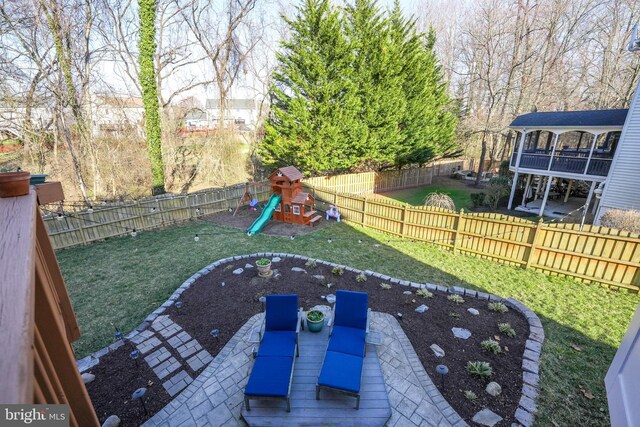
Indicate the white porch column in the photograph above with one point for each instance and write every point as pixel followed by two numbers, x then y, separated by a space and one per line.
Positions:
pixel 524 195
pixel 566 196
pixel 593 145
pixel 553 151
pixel 515 177
pixel 586 205
pixel 546 195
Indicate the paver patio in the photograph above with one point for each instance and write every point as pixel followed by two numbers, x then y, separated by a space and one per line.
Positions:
pixel 215 397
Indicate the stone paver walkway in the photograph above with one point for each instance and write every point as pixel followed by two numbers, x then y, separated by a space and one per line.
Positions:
pixel 154 344
pixel 215 397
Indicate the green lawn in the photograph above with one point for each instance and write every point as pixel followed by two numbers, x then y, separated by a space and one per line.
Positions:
pixel 122 280
pixel 458 190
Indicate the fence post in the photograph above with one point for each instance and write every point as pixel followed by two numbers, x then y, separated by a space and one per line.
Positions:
pixel 85 241
pixel 459 222
pixel 364 211
pixel 534 243
pixel 404 221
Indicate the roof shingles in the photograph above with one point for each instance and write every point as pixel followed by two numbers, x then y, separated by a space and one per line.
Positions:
pixel 571 119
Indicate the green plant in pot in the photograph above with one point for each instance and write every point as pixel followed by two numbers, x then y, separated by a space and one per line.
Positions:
pixel 264 267
pixel 315 320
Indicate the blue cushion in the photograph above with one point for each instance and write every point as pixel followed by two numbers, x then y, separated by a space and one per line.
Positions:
pixel 270 377
pixel 341 371
pixel 282 313
pixel 347 340
pixel 351 309
pixel 278 343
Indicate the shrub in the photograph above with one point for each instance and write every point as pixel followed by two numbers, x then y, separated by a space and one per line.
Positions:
pixel 455 298
pixel 491 345
pixel 627 220
pixel 507 329
pixel 361 278
pixel 503 170
pixel 497 188
pixel 311 263
pixel 424 293
pixel 477 199
pixel 440 200
pixel 338 271
pixel 385 286
pixel 230 267
pixel 480 369
pixel 470 395
pixel 498 307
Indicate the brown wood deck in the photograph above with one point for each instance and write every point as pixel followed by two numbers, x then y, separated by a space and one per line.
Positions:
pixel 333 408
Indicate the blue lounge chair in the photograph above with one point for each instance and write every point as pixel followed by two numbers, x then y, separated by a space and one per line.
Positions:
pixel 273 369
pixel 342 366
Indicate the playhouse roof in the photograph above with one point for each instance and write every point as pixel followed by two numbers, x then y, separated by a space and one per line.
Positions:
pixel 300 198
pixel 289 172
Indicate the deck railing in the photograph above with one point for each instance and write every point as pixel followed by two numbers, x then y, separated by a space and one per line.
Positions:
pixel 37 364
pixel 561 162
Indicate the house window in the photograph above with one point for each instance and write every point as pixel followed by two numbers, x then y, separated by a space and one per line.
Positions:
pixel 287 208
pixel 296 210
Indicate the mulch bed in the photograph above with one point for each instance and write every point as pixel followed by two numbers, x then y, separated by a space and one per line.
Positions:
pixel 209 305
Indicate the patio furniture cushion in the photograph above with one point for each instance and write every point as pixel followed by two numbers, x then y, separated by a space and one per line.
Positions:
pixel 278 343
pixel 351 309
pixel 270 376
pixel 347 340
pixel 281 313
pixel 341 371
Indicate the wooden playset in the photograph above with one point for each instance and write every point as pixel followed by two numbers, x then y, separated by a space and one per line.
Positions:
pixel 296 206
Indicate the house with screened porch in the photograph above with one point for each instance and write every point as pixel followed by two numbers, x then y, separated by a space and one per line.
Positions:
pixel 563 160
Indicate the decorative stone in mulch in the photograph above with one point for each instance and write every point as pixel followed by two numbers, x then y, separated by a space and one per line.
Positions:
pixel 473 311
pixel 318 276
pixel 238 271
pixel 486 417
pixel 461 333
pixel 298 270
pixel 421 309
pixel 437 350
pixel 493 388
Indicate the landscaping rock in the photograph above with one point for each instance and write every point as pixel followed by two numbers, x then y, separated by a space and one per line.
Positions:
pixel 319 277
pixel 112 421
pixel 437 350
pixel 87 377
pixel 331 298
pixel 422 308
pixel 461 333
pixel 407 292
pixel 486 417
pixel 248 266
pixel 298 270
pixel 525 418
pixel 222 284
pixel 238 271
pixel 473 311
pixel 276 259
pixel 493 388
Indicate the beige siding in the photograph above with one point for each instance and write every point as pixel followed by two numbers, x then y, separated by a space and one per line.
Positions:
pixel 622 190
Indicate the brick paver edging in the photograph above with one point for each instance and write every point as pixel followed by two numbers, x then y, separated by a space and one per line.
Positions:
pixel 531 357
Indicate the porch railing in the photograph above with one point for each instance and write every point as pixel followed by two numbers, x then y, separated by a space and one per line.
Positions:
pixel 598 166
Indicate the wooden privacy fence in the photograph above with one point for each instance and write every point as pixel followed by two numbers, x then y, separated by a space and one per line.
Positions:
pixel 595 254
pixel 114 220
pixel 373 182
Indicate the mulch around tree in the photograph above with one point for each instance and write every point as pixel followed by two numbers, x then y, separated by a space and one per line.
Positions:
pixel 208 305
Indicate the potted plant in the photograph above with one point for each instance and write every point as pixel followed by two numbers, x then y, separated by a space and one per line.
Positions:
pixel 13 184
pixel 315 320
pixel 264 267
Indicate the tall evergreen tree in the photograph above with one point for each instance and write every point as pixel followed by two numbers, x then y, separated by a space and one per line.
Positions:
pixel 313 122
pixel 377 73
pixel 147 47
pixel 361 90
